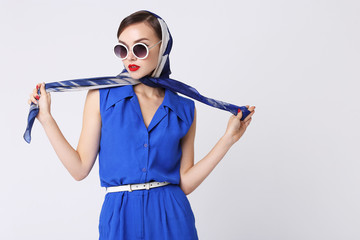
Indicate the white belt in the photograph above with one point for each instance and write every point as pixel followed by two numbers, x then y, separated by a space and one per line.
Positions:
pixel 131 187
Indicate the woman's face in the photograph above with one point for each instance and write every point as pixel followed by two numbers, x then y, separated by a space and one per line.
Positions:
pixel 140 32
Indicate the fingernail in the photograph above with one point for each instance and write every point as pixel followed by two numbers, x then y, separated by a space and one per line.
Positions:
pixel 239 110
pixel 37 97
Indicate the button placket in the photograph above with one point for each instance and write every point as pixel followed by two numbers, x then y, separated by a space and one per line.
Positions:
pixel 145 146
pixel 147 157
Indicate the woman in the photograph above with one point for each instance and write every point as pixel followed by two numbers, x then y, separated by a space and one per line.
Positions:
pixel 145 140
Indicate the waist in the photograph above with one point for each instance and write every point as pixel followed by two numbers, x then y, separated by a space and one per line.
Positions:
pixel 136 186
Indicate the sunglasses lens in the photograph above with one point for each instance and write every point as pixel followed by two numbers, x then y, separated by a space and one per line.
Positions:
pixel 120 51
pixel 140 51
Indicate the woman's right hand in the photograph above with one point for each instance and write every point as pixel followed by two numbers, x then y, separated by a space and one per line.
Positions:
pixel 44 101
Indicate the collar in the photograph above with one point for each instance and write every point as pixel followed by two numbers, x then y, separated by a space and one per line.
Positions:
pixel 171 99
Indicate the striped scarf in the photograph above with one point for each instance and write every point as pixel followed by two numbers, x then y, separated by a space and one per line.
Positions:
pixel 159 78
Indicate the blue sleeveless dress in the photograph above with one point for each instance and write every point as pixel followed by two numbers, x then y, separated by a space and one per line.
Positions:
pixel 131 153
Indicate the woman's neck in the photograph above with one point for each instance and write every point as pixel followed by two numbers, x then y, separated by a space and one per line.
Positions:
pixel 150 92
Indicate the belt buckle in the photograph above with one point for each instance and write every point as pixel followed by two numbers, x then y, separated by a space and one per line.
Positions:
pixel 147 185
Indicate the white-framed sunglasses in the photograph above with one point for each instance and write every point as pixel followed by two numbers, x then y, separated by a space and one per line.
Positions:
pixel 140 50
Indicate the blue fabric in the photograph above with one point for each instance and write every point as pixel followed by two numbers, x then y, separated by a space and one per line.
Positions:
pixel 159 78
pixel 162 213
pixel 124 79
pixel 131 153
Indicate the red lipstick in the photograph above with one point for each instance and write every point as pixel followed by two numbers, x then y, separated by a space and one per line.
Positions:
pixel 133 67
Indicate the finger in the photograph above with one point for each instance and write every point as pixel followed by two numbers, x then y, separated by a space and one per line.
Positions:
pixel 239 115
pixel 42 88
pixel 32 99
pixel 248 122
pixel 249 116
pixel 35 95
pixel 247 106
pixel 37 87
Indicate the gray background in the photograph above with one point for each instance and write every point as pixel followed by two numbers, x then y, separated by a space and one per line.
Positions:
pixel 293 175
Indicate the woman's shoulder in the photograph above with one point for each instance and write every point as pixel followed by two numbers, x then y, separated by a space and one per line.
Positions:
pixel 185 103
pixel 185 108
pixel 93 94
pixel 184 100
pixel 110 95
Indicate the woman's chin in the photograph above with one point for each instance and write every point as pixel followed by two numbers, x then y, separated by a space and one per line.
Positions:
pixel 136 76
pixel 140 74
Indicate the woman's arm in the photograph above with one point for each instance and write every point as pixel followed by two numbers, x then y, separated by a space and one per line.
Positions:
pixel 191 176
pixel 89 141
pixel 78 162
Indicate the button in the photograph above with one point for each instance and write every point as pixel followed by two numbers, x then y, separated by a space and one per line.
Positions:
pixel 144 169
pixel 145 145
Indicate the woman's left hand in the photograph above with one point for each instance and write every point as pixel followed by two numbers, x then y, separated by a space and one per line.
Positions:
pixel 236 128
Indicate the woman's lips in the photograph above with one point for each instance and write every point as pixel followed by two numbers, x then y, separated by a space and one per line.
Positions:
pixel 133 67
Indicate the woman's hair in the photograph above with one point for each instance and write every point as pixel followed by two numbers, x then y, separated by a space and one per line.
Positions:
pixel 141 16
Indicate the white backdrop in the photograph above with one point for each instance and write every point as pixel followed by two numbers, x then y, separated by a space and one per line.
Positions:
pixel 293 175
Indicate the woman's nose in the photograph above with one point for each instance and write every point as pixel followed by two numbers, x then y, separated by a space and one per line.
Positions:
pixel 131 56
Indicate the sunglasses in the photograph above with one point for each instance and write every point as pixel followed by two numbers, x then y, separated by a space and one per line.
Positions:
pixel 140 50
